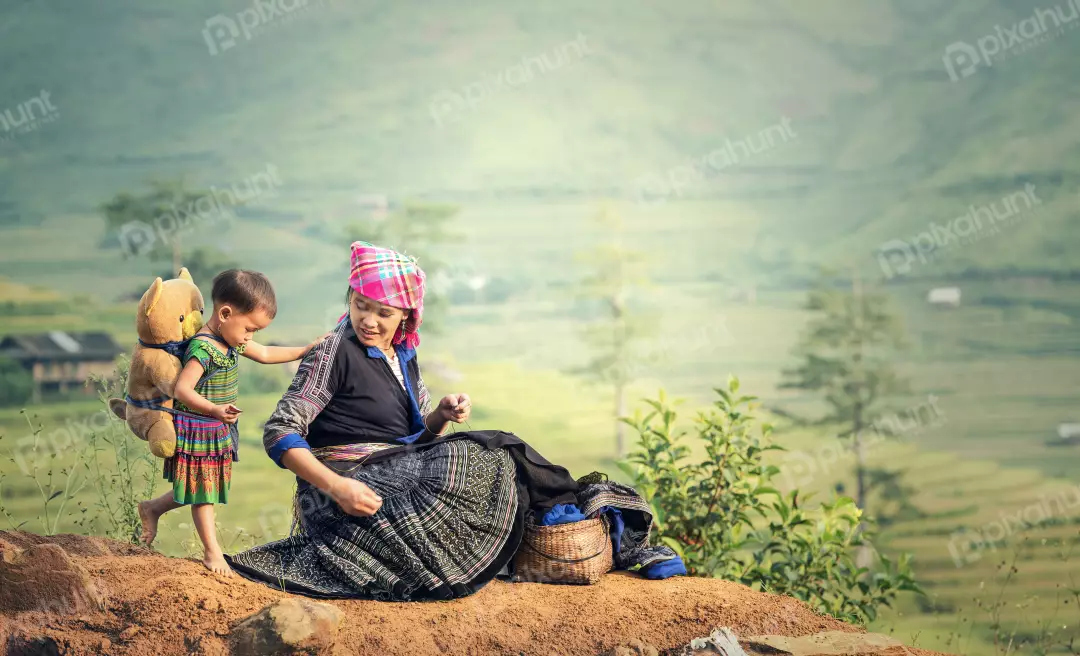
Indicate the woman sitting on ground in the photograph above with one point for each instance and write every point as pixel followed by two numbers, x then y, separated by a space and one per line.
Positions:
pixel 388 508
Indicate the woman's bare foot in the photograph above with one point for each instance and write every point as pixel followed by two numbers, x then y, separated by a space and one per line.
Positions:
pixel 215 562
pixel 149 518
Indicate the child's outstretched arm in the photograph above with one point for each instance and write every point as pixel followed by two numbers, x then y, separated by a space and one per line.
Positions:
pixel 279 354
pixel 186 394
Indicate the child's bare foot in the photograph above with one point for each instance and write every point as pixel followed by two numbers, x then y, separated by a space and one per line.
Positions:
pixel 215 562
pixel 149 518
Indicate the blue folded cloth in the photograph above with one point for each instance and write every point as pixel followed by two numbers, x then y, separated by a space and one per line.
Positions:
pixel 664 569
pixel 562 513
pixel 616 524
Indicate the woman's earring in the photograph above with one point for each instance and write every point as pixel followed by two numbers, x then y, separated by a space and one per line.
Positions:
pixel 402 330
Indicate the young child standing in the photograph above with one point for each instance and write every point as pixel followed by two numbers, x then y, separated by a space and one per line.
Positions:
pixel 207 439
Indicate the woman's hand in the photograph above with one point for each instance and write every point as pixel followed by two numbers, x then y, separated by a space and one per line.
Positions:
pixel 226 413
pixel 455 408
pixel 354 497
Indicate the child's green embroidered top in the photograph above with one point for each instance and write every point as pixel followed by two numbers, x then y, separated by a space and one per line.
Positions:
pixel 220 381
pixel 201 470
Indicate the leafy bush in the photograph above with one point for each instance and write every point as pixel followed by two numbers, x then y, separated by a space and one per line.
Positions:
pixel 16 383
pixel 723 515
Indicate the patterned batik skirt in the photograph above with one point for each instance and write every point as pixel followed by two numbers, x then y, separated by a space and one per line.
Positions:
pixel 201 469
pixel 449 522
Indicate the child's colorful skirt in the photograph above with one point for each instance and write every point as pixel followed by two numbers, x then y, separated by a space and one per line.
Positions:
pixel 201 470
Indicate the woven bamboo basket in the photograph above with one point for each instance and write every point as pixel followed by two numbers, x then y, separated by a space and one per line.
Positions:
pixel 578 553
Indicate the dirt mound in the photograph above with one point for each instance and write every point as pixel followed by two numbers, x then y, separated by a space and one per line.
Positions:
pixel 160 605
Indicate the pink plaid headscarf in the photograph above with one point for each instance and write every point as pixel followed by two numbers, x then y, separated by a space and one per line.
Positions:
pixel 393 279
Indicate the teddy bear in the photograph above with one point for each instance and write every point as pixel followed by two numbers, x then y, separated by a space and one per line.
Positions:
pixel 170 313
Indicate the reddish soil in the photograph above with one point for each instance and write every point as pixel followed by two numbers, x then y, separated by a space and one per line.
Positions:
pixel 160 605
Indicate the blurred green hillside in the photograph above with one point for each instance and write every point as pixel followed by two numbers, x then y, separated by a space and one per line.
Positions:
pixel 632 101
pixel 344 100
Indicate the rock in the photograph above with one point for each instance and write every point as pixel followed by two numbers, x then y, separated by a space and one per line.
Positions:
pixel 129 633
pixel 105 644
pixel 288 626
pixel 44 578
pixel 25 646
pixel 827 643
pixel 633 648
pixel 720 641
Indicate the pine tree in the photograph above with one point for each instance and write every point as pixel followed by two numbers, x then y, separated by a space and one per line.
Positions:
pixel 846 356
pixel 612 273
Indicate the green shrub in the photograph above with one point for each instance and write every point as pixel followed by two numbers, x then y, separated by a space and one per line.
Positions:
pixel 723 515
pixel 16 383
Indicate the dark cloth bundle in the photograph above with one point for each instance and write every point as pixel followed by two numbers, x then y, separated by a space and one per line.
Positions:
pixel 453 516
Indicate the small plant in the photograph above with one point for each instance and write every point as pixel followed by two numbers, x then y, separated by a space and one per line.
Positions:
pixel 1044 639
pixel 129 475
pixel 725 518
pixel 105 459
pixel 57 484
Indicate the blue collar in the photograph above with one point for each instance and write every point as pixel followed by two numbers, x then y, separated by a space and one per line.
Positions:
pixel 404 353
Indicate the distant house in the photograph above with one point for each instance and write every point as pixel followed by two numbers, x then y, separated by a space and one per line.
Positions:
pixel 59 361
pixel 944 297
pixel 1068 435
pixel 1069 432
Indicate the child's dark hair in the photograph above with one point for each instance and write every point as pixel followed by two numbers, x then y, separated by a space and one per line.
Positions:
pixel 245 291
